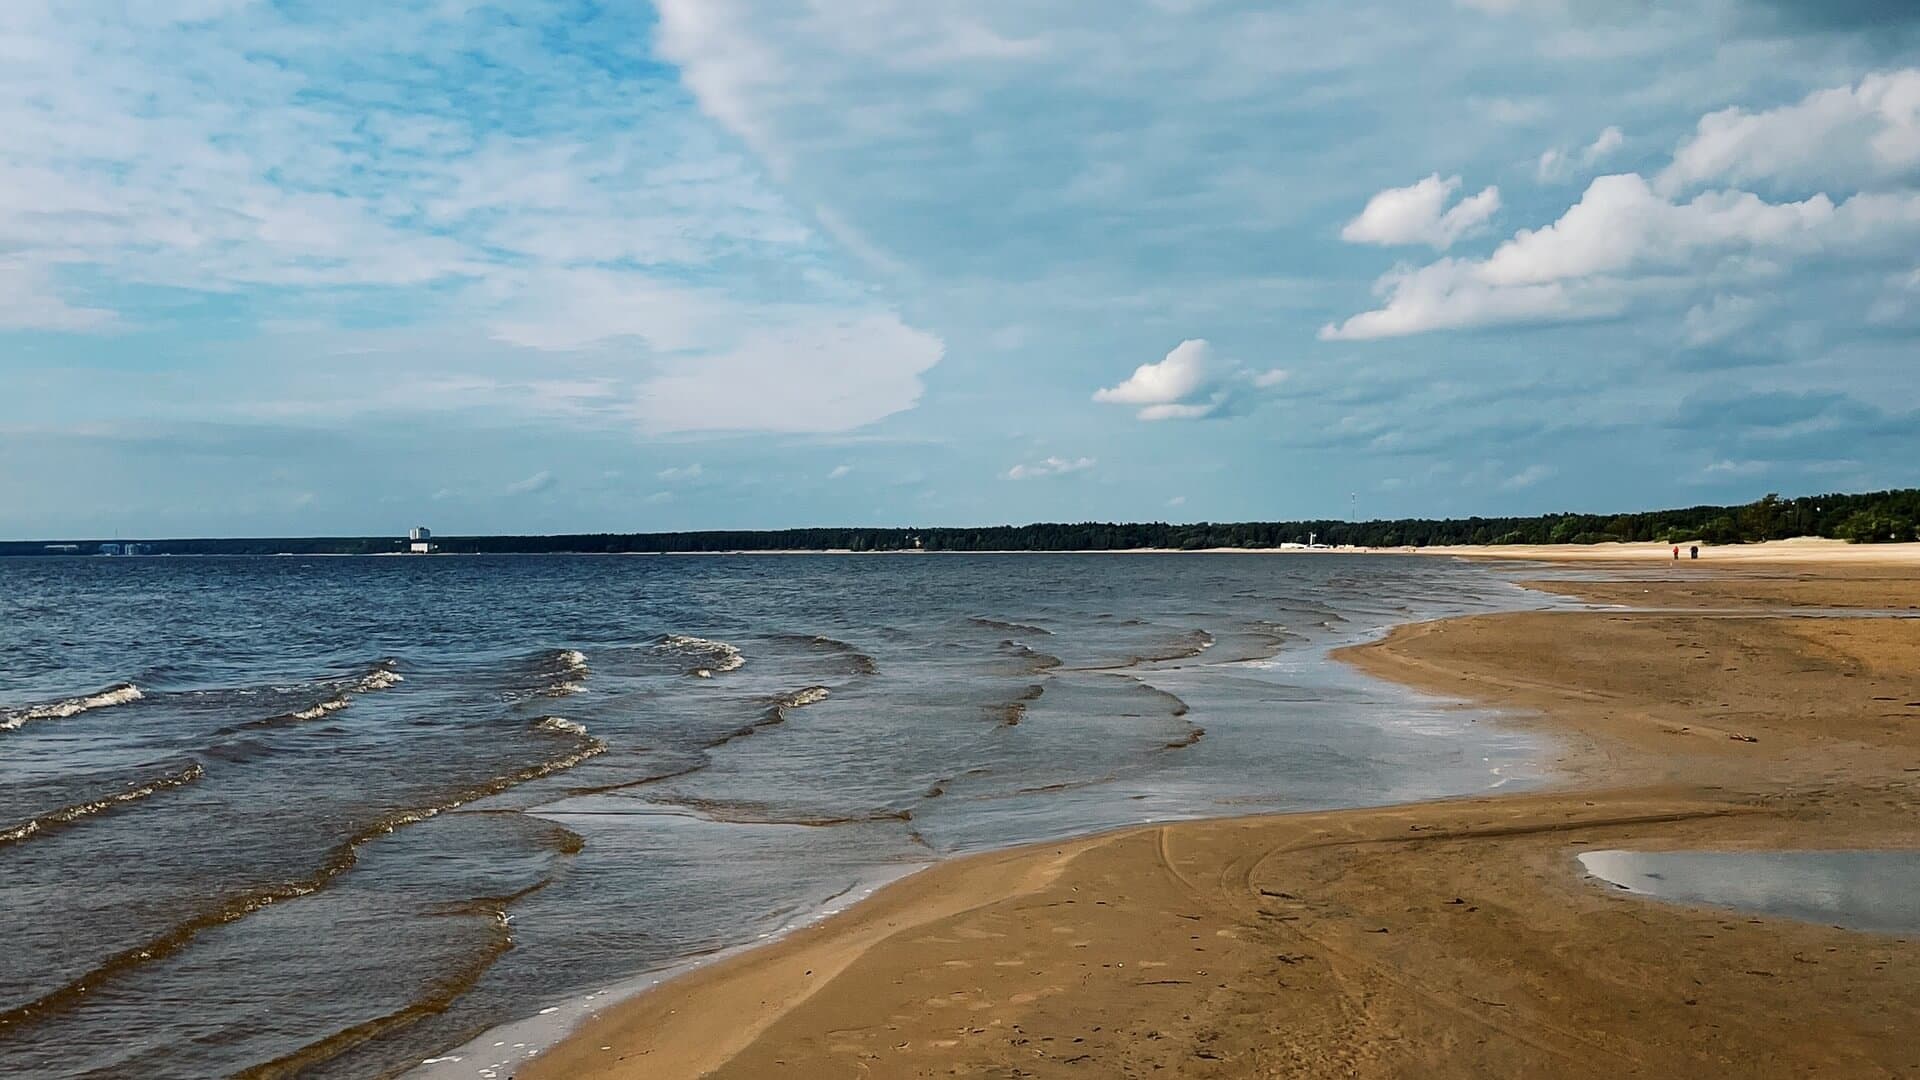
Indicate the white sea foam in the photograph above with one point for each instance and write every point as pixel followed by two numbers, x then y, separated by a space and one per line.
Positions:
pixel 560 724
pixel 805 696
pixel 59 710
pixel 331 705
pixel 573 671
pixel 87 809
pixel 379 679
pixel 723 657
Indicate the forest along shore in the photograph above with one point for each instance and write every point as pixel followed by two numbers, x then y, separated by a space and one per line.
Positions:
pixel 1456 938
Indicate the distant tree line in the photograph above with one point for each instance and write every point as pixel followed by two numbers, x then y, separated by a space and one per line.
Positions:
pixel 1875 517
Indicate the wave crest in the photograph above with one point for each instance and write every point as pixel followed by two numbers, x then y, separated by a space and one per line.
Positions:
pixel 117 694
pixel 720 657
pixel 67 815
pixel 560 725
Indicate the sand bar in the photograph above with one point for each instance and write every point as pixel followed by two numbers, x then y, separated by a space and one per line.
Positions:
pixel 1456 938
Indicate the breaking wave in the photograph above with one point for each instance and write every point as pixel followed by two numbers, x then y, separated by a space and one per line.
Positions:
pixel 67 815
pixel 775 713
pixel 710 657
pixel 331 705
pixel 118 694
pixel 560 725
pixel 806 695
pixel 381 676
pixel 379 679
pixel 567 669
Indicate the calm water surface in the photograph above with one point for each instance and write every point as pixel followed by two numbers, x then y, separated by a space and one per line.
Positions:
pixel 1858 890
pixel 334 816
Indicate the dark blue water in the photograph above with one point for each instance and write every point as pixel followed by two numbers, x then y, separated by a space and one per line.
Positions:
pixel 334 816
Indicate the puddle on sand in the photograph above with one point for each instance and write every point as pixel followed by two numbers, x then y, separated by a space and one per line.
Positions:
pixel 1859 890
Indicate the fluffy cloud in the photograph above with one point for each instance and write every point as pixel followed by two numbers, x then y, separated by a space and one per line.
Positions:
pixel 1190 383
pixel 1629 237
pixel 1186 371
pixel 1847 135
pixel 1454 294
pixel 1621 232
pixel 1418 214
pixel 1558 164
pixel 1052 466
pixel 1620 223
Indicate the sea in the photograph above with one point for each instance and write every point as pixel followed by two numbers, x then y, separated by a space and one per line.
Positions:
pixel 340 817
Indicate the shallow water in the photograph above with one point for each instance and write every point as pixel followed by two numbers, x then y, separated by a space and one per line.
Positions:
pixel 343 814
pixel 1857 890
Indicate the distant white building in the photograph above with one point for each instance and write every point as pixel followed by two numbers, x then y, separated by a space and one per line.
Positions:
pixel 420 540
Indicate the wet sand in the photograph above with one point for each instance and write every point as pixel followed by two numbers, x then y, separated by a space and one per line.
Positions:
pixel 1444 939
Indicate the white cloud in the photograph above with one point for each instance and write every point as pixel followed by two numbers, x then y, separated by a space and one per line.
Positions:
pixel 1717 320
pixel 1177 500
pixel 816 373
pixel 1612 243
pixel 1190 383
pixel 677 473
pixel 1418 214
pixel 539 481
pixel 1053 466
pixel 840 472
pixel 1899 299
pixel 736 59
pixel 1620 222
pixel 1526 477
pixel 1453 294
pixel 1848 135
pixel 1727 468
pixel 252 165
pixel 28 302
pixel 1557 164
pixel 1186 371
pixel 1629 237
pixel 720 364
pixel 1604 145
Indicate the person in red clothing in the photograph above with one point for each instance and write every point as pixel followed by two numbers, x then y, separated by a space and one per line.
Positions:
pixel 1676 553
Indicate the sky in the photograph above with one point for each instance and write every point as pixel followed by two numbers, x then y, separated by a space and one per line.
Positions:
pixel 317 267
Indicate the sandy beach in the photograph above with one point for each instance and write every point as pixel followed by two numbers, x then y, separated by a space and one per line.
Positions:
pixel 1457 938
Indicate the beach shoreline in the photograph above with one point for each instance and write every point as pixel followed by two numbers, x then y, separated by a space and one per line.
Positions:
pixel 969 965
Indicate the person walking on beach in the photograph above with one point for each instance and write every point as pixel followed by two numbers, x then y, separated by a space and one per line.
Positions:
pixel 1676 553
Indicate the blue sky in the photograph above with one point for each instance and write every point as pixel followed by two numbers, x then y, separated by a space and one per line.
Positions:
pixel 555 265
